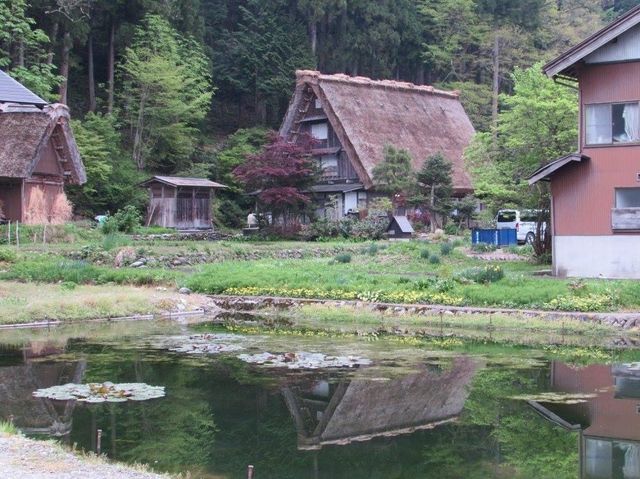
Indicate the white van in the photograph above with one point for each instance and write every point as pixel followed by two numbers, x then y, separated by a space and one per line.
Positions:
pixel 524 222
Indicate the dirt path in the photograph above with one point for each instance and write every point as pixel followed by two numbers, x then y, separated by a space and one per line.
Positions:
pixel 22 458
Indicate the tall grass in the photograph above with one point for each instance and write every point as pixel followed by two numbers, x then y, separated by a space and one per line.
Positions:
pixel 7 428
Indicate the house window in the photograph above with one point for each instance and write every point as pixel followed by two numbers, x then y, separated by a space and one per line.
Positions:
pixel 612 123
pixel 627 197
pixel 320 131
pixel 318 104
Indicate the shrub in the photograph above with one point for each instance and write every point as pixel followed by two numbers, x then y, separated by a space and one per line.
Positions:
pixel 343 258
pixel 446 249
pixel 371 250
pixel 7 256
pixel 483 275
pixel 483 248
pixel 113 240
pixel 321 229
pixel 434 259
pixel 125 220
pixel 369 228
pixel 424 254
pixel 451 229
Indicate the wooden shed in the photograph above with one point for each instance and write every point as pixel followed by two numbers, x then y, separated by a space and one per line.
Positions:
pixel 38 156
pixel 182 203
pixel 399 228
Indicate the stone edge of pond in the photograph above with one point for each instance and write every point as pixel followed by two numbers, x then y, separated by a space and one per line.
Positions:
pixel 30 458
pixel 627 320
pixel 173 316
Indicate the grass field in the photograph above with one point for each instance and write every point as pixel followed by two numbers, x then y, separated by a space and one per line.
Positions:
pixel 400 272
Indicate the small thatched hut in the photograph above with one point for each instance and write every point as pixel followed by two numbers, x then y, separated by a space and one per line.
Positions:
pixel 38 156
pixel 354 118
pixel 182 203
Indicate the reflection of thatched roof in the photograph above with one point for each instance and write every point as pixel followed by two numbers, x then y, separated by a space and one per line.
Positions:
pixel 367 115
pixel 26 132
pixel 30 414
pixel 362 409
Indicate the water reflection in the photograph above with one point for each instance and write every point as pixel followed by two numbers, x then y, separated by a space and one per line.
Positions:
pixel 362 409
pixel 609 423
pixel 436 415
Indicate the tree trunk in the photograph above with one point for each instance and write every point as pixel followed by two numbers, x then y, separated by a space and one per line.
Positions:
pixel 52 41
pixel 138 157
pixel 64 67
pixel 313 33
pixel 496 85
pixel 432 202
pixel 110 67
pixel 92 80
pixel 21 53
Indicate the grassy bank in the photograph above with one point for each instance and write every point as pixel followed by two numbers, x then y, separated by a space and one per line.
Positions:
pixel 23 303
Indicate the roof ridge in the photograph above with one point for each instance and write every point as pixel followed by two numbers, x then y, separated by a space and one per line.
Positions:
pixel 314 75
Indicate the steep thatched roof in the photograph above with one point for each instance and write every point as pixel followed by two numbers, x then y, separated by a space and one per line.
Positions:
pixel 367 115
pixel 362 409
pixel 25 132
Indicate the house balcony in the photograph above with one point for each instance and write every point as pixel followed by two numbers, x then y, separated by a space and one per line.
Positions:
pixel 625 219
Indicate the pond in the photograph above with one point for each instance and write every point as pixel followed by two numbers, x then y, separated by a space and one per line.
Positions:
pixel 402 409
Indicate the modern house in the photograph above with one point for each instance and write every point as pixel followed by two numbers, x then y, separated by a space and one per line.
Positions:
pixel 38 156
pixel 353 118
pixel 182 203
pixel 596 191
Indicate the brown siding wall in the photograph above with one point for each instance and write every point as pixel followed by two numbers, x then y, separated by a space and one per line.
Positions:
pixel 583 195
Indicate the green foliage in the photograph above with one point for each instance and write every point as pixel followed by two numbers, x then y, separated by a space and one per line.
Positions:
pixel 166 92
pixel 7 255
pixel 112 180
pixel 425 254
pixel 7 428
pixel 343 258
pixel 18 33
pixel 446 249
pixel 434 259
pixel 234 152
pixel 435 186
pixel 483 248
pixel 125 220
pixel 394 174
pixel 482 275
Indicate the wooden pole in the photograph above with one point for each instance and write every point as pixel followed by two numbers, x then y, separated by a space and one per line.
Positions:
pixel 250 472
pixel 17 235
pixel 44 234
pixel 98 441
pixel 9 232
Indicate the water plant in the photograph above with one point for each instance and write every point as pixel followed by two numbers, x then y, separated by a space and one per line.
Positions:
pixel 101 392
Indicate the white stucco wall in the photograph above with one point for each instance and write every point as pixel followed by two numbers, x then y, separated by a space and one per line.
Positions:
pixel 613 256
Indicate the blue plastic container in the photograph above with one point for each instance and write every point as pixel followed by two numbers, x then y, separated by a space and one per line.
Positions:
pixel 498 237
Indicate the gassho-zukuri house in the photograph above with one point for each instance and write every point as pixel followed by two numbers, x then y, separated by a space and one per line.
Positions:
pixel 595 192
pixel 353 118
pixel 38 156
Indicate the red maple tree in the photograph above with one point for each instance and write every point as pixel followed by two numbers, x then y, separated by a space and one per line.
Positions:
pixel 279 175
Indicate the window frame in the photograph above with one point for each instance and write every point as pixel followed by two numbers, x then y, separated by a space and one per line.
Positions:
pixel 610 104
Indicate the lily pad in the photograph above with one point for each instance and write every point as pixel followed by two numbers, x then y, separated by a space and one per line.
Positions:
pixel 210 343
pixel 94 393
pixel 556 398
pixel 304 360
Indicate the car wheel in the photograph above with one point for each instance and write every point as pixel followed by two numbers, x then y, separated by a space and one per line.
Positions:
pixel 530 238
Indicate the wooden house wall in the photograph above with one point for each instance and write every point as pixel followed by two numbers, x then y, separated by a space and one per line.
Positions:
pixel 11 198
pixel 584 194
pixel 49 164
pixel 181 208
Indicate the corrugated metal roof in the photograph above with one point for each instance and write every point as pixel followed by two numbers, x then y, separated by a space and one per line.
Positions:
pixel 544 173
pixel 181 181
pixel 12 91
pixel 403 224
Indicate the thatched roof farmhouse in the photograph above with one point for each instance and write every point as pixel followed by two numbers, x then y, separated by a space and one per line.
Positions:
pixel 354 118
pixel 38 156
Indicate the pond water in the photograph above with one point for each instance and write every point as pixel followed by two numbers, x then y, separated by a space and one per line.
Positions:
pixel 415 411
